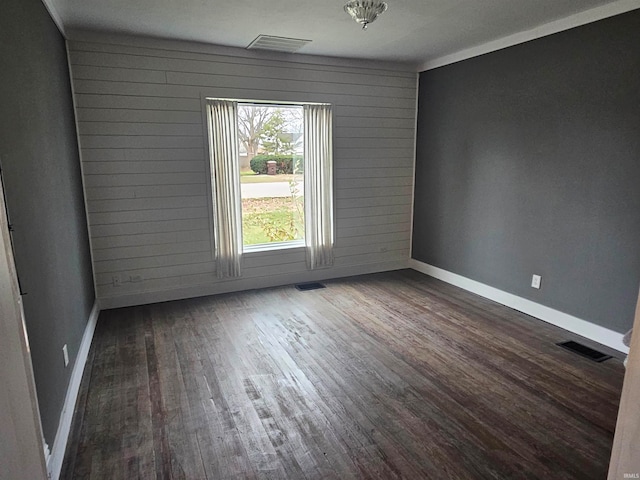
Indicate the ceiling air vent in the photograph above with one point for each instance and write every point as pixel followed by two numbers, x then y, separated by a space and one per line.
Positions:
pixel 278 44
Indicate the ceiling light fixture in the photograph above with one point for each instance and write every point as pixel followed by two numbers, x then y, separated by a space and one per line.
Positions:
pixel 365 12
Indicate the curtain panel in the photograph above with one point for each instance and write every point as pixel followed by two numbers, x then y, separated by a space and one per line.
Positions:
pixel 225 171
pixel 318 185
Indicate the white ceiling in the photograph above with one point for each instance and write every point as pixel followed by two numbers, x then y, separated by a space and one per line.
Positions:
pixel 416 31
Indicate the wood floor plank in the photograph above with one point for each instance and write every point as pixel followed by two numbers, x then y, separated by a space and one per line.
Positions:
pixel 436 452
pixel 384 376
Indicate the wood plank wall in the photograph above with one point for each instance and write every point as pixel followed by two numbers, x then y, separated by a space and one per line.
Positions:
pixel 143 142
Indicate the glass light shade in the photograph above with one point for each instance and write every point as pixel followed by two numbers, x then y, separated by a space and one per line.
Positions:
pixel 365 12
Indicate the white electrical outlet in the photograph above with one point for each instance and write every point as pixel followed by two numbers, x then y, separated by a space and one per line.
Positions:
pixel 116 280
pixel 65 353
pixel 535 281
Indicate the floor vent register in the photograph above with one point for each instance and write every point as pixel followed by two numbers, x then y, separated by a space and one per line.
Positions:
pixel 584 351
pixel 303 287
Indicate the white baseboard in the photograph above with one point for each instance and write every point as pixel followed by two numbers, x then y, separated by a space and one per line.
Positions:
pixel 47 452
pixel 54 462
pixel 573 324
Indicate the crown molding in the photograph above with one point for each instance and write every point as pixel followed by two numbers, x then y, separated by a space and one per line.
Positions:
pixel 55 16
pixel 582 18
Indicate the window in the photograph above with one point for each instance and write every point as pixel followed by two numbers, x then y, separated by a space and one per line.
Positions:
pixel 280 197
pixel 271 156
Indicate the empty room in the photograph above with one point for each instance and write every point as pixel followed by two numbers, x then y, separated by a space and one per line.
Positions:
pixel 296 239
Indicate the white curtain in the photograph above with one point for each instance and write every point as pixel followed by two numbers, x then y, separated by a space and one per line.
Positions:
pixel 318 185
pixel 225 170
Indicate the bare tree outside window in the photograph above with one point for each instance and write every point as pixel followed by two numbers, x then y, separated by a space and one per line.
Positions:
pixel 251 123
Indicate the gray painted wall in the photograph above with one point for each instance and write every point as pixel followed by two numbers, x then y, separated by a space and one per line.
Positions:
pixel 42 178
pixel 528 161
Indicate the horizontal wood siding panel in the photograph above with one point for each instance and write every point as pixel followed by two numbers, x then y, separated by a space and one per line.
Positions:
pixel 384 247
pixel 377 122
pixel 384 238
pixel 153 191
pixel 374 229
pixel 140 154
pixel 115 167
pixel 149 295
pixel 352 172
pixel 343 223
pixel 370 132
pixel 158 226
pixel 343 193
pixel 151 239
pixel 389 200
pixel 141 263
pixel 366 154
pixel 264 259
pixel 352 212
pixel 110 218
pixel 136 129
pixel 144 179
pixel 139 204
pixel 157 284
pixel 378 144
pixel 140 141
pixel 163 116
pixel 158 273
pixel 85 72
pixel 371 239
pixel 377 111
pixel 150 59
pixel 257 92
pixel 285 83
pixel 146 174
pixel 368 258
pixel 143 102
pixel 348 183
pixel 207 53
pixel 118 253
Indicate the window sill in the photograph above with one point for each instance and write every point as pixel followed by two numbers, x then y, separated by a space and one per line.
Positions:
pixel 268 247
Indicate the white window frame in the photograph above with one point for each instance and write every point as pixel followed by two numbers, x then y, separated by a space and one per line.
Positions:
pixel 319 255
pixel 288 244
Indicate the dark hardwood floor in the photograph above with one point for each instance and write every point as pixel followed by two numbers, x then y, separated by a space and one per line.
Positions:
pixel 384 376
